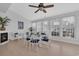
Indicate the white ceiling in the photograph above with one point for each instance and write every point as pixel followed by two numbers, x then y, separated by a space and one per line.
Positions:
pixel 4 7
pixel 28 12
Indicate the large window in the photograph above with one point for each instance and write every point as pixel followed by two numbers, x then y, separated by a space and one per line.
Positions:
pixel 20 25
pixel 55 29
pixel 68 26
pixel 34 26
pixel 39 27
pixel 45 27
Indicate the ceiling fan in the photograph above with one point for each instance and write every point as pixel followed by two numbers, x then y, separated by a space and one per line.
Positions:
pixel 41 7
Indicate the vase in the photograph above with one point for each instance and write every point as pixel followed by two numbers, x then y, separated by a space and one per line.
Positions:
pixel 2 28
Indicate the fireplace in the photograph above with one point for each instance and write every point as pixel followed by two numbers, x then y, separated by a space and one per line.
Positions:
pixel 3 37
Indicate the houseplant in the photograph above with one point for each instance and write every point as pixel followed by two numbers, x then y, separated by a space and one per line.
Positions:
pixel 3 22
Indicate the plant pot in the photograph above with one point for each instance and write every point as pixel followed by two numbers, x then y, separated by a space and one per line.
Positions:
pixel 0 25
pixel 2 29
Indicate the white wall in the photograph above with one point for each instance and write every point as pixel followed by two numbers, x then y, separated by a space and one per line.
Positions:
pixel 13 24
pixel 2 14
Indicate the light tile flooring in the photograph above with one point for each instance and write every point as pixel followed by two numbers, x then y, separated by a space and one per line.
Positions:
pixel 18 48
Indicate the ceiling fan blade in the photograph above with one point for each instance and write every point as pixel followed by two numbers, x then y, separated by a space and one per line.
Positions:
pixel 48 6
pixel 44 11
pixel 33 6
pixel 37 10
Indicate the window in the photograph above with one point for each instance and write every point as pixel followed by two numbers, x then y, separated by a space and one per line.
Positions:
pixel 39 27
pixel 68 26
pixel 34 26
pixel 20 25
pixel 45 27
pixel 55 31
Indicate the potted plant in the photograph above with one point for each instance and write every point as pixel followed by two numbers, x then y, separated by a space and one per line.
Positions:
pixel 3 22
